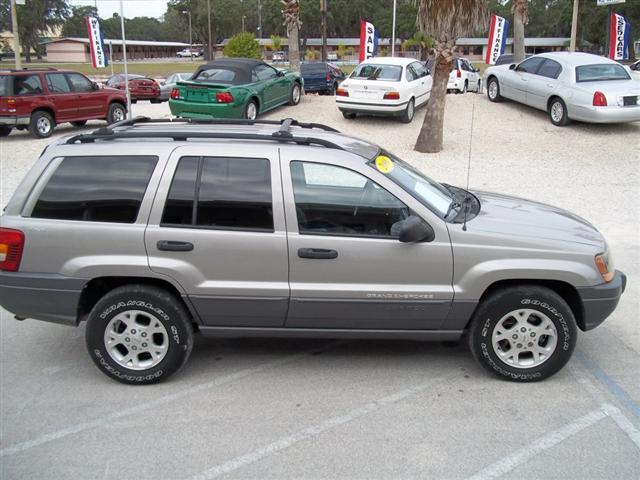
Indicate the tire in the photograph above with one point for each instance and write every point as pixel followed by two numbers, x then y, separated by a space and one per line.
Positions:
pixel 79 123
pixel 41 124
pixel 479 87
pixel 147 320
pixel 558 112
pixel 465 88
pixel 334 89
pixel 116 113
pixel 493 90
pixel 250 110
pixel 295 94
pixel 409 112
pixel 5 131
pixel 496 333
pixel 349 116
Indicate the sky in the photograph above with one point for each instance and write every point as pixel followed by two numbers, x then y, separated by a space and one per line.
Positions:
pixel 132 8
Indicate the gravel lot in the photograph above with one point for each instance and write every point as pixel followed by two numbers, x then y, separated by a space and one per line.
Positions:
pixel 355 409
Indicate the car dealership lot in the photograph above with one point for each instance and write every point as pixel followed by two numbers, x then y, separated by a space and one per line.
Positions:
pixel 257 408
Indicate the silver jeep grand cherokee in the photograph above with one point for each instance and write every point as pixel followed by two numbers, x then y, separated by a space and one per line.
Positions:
pixel 150 231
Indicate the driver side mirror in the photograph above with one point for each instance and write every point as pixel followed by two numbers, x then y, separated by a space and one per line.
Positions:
pixel 413 229
pixel 95 86
pixel 512 66
pixel 280 73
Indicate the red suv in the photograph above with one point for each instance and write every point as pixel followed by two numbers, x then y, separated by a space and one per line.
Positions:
pixel 38 99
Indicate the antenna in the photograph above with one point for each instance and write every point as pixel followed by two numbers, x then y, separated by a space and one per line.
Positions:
pixel 466 200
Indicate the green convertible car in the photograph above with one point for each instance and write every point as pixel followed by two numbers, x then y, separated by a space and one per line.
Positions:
pixel 234 88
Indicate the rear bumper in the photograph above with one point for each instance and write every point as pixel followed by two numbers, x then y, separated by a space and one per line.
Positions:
pixel 371 108
pixel 456 84
pixel 13 121
pixel 145 96
pixel 613 114
pixel 317 88
pixel 52 298
pixel 600 301
pixel 180 108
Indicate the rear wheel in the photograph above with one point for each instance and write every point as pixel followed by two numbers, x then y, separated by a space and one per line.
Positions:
pixel 558 112
pixel 4 131
pixel 116 113
pixel 493 90
pixel 139 334
pixel 407 115
pixel 465 87
pixel 79 123
pixel 296 92
pixel 524 333
pixel 41 124
pixel 251 110
pixel 479 87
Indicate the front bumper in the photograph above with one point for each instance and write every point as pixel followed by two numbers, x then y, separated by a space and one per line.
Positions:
pixel 600 301
pixel 14 121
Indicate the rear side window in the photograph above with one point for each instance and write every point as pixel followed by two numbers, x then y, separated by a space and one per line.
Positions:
pixel 550 69
pixel 96 189
pixel 221 193
pixel 57 83
pixel 27 85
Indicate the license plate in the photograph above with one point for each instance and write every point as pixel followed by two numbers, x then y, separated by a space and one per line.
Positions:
pixel 198 95
pixel 366 94
pixel 630 101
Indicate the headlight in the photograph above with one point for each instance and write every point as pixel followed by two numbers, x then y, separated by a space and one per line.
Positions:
pixel 604 267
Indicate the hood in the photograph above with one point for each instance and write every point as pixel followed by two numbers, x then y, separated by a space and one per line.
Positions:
pixel 519 217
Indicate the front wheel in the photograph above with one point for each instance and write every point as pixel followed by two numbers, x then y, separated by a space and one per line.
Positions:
pixel 493 90
pixel 296 92
pixel 407 115
pixel 139 334
pixel 558 113
pixel 523 334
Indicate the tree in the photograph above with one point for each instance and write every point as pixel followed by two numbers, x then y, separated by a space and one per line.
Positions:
pixel 446 21
pixel 276 42
pixel 35 20
pixel 291 14
pixel 342 51
pixel 243 45
pixel 520 11
pixel 76 24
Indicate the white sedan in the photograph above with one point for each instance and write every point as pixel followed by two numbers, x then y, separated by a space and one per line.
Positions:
pixel 391 86
pixel 569 86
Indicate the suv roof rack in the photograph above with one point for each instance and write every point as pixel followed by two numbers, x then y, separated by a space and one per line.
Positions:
pixel 283 134
pixel 32 69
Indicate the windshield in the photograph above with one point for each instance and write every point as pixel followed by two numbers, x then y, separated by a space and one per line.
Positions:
pixel 428 192
pixel 601 72
pixel 369 71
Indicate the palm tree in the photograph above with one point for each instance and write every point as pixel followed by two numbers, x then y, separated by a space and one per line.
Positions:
pixel 445 21
pixel 520 11
pixel 276 42
pixel 291 14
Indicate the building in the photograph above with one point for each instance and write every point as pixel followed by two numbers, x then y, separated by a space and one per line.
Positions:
pixel 476 48
pixel 76 50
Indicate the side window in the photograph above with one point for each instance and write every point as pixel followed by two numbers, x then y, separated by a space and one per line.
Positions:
pixel 220 192
pixel 96 189
pixel 114 80
pixel 530 65
pixel 265 72
pixel 420 69
pixel 57 83
pixel 332 200
pixel 27 85
pixel 550 69
pixel 410 73
pixel 79 83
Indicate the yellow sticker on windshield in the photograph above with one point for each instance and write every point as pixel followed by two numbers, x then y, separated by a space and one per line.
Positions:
pixel 384 164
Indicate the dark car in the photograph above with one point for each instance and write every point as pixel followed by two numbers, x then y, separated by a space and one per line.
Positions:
pixel 140 87
pixel 321 77
pixel 508 59
pixel 38 99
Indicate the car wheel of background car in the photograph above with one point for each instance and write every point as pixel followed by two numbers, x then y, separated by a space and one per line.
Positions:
pixel 493 90
pixel 558 112
pixel 479 87
pixel 524 333
pixel 349 116
pixel 251 110
pixel 139 334
pixel 408 113
pixel 116 113
pixel 155 100
pixel 335 88
pixel 294 96
pixel 4 131
pixel 465 87
pixel 41 124
pixel 79 123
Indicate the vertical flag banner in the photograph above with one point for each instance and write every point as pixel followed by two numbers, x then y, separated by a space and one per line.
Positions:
pixel 497 39
pixel 620 37
pixel 96 43
pixel 368 40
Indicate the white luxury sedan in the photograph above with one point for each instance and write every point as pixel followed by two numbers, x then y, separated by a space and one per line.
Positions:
pixel 569 86
pixel 385 86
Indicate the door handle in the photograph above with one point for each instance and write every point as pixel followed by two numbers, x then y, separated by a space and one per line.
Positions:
pixel 174 246
pixel 550 85
pixel 319 253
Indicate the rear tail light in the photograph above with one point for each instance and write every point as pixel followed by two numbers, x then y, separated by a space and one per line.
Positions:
pixel 11 104
pixel 392 96
pixel 11 246
pixel 599 100
pixel 328 77
pixel 224 97
pixel 342 92
pixel 175 94
pixel 458 73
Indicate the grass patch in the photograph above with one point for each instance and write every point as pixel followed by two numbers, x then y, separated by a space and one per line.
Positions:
pixel 142 68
